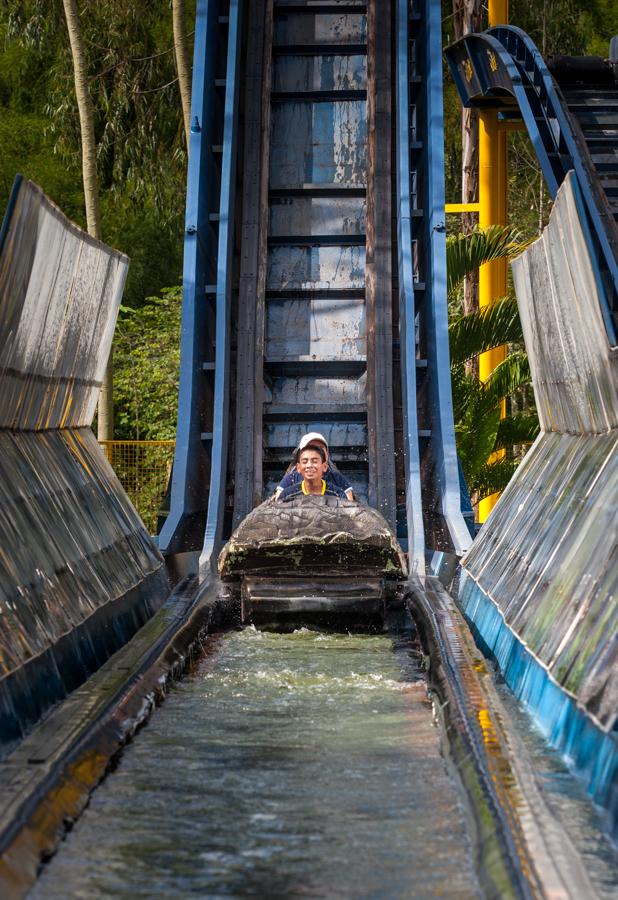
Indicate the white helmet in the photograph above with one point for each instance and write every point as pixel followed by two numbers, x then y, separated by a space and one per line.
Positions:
pixel 310 438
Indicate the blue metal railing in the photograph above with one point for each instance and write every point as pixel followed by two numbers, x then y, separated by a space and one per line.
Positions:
pixel 201 439
pixel 442 447
pixel 422 279
pixel 218 470
pixel 407 296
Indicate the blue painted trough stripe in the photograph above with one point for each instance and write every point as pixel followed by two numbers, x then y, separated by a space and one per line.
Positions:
pixel 591 752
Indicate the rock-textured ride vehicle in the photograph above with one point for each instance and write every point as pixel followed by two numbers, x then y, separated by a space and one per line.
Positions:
pixel 314 560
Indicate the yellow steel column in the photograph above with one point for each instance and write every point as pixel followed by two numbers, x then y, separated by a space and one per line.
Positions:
pixel 492 202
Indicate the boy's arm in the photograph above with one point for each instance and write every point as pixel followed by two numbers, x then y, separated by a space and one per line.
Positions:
pixel 341 482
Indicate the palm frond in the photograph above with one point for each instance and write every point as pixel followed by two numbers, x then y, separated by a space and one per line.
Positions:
pixel 466 252
pixel 492 477
pixel 480 331
pixel 519 429
pixel 509 375
pixel 465 389
pixel 476 438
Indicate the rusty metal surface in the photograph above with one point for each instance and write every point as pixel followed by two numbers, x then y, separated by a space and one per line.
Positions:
pixel 59 296
pixel 547 556
pixel 304 390
pixel 315 347
pixel 340 435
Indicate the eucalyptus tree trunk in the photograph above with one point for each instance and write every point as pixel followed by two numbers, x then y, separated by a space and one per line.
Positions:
pixel 91 191
pixel 466 19
pixel 183 68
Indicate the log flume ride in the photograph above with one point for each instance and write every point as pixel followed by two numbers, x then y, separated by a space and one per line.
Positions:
pixel 314 300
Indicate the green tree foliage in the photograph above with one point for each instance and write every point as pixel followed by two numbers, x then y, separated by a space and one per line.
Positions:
pixel 141 155
pixel 25 145
pixel 479 430
pixel 146 367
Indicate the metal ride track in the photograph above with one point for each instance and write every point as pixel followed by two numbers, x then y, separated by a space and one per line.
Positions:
pixel 314 285
pixel 571 127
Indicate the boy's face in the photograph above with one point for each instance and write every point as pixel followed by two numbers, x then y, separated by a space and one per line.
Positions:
pixel 310 465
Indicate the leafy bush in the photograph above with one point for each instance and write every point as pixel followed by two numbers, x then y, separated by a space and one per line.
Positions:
pixel 146 368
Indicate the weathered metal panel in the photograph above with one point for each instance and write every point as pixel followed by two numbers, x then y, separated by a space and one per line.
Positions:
pixel 59 296
pixel 315 268
pixel 71 540
pixel 317 216
pixel 328 390
pixel 318 143
pixel 315 328
pixel 556 586
pixel 321 28
pixel 320 73
pixel 338 434
pixel 574 374
pixel 547 556
pixel 74 554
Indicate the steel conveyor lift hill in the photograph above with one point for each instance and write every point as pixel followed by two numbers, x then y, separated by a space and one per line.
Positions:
pixel 314 291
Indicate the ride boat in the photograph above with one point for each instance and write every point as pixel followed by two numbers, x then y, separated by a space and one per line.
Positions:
pixel 313 560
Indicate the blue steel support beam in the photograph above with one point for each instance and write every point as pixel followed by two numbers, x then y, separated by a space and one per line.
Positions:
pixel 218 471
pixel 183 529
pixel 407 311
pixel 443 445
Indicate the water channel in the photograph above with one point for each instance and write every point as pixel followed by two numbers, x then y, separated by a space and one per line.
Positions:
pixel 298 765
pixel 285 765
